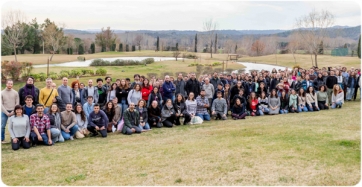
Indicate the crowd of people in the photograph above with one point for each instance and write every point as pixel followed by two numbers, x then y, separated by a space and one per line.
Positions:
pixel 56 114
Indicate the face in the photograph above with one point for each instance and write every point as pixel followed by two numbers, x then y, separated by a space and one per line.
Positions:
pixel 136 79
pixel 9 85
pixel 76 86
pixel 69 107
pixel 322 88
pixel 207 81
pixel 96 109
pixel 310 89
pixel 108 80
pixel 54 86
pixel 138 87
pixel 110 105
pixel 219 87
pixel 169 103
pixel 155 90
pixel 30 81
pixel 79 108
pixel 114 86
pixel 179 98
pixel 115 101
pixel 29 101
pixel 219 95
pixel 123 82
pixel 337 87
pixel 99 83
pixel 19 111
pixel 239 83
pixel 179 76
pixel 191 95
pixel 40 110
pixel 154 104
pixel 238 102
pixel 202 93
pixel 90 100
pixel 252 95
pixel 81 86
pixel 65 81
pixel 90 83
pixel 263 94
pixel 131 106
pixel 193 76
pixel 145 82
pixel 49 83
pixel 54 108
pixel 141 103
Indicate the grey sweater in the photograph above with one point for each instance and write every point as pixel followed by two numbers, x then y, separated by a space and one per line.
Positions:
pixel 81 124
pixel 19 126
pixel 209 90
pixel 219 105
pixel 322 96
pixel 65 92
pixel 134 96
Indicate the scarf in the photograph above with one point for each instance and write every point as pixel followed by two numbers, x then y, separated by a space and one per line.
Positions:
pixel 29 90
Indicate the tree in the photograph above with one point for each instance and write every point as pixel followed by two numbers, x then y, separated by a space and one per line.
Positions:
pixel 14 35
pixel 158 44
pixel 106 38
pixel 196 43
pixel 93 48
pixel 215 51
pixel 70 42
pixel 258 47
pixel 320 50
pixel 176 47
pixel 176 54
pixel 87 45
pixel 138 41
pixel 313 29
pixel 120 47
pixel 77 42
pixel 210 29
pixel 293 44
pixel 359 47
pixel 236 48
pixel 80 49
pixel 53 36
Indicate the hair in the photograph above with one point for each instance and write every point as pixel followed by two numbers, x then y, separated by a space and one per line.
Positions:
pixel 168 101
pixel 182 100
pixel 301 95
pixel 145 103
pixel 126 86
pixel 309 91
pixel 261 95
pixel 9 80
pixel 250 97
pixel 29 97
pixel 136 75
pixel 273 95
pixel 107 110
pixel 237 99
pixel 135 85
pixel 74 83
pixel 89 96
pixel 193 98
pixel 218 92
pixel 143 83
pixel 50 108
pixel 39 105
pixel 19 107
pixel 107 78
pixel 99 79
pixel 324 86
pixel 96 104
pixel 335 90
pixel 111 88
pixel 153 90
pixel 82 114
pixel 30 77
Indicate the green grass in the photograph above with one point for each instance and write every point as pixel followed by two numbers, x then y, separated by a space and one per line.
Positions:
pixel 314 148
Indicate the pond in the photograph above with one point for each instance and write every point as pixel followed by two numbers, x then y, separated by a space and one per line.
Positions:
pixel 255 66
pixel 88 62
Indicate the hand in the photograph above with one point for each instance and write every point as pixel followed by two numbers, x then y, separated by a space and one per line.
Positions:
pixel 67 130
pixel 97 128
pixel 27 139
pixel 326 104
pixel 50 141
pixel 177 114
pixel 213 112
pixel 223 115
pixel 102 128
pixel 54 100
pixel 133 130
pixel 40 138
pixel 15 140
pixel 81 132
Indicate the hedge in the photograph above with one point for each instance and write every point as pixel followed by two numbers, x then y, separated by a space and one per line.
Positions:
pixel 119 62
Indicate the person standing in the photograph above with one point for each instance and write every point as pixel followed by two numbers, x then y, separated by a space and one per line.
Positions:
pixel 193 85
pixel 19 129
pixel 97 121
pixel 65 92
pixel 215 80
pixel 102 92
pixel 47 95
pixel 40 127
pixel 330 82
pixel 90 90
pixel 168 88
pixel 180 85
pixel 77 93
pixel 9 99
pixel 69 122
pixel 29 89
pixel 209 90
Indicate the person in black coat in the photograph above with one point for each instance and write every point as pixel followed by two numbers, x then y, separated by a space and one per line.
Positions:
pixel 193 85
pixel 180 109
pixel 29 89
pixel 154 115
pixel 235 91
pixel 356 88
pixel 273 83
pixel 261 89
pixel 242 99
pixel 319 81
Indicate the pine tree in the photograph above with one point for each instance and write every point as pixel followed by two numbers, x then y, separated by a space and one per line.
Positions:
pixel 359 47
pixel 320 51
pixel 93 49
pixel 80 49
pixel 215 51
pixel 176 46
pixel 127 48
pixel 196 43
pixel 120 47
pixel 158 43
pixel 236 48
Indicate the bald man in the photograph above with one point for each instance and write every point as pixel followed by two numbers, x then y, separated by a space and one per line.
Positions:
pixel 168 89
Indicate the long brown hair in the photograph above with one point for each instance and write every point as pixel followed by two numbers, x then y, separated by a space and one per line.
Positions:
pixel 335 90
pixel 82 114
pixel 250 98
pixel 126 86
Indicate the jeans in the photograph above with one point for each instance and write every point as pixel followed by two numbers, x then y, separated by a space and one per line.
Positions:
pixel 146 127
pixel 283 111
pixel 329 93
pixel 4 120
pixel 129 131
pixel 304 109
pixel 339 103
pixel 21 141
pixel 322 105
pixel 94 131
pixel 56 135
pixel 34 138
pixel 123 106
pixel 350 93
pixel 312 108
pixel 266 110
pixel 67 135
pixel 46 110
pixel 205 116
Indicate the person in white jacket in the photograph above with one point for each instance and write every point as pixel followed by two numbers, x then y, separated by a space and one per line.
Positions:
pixel 337 97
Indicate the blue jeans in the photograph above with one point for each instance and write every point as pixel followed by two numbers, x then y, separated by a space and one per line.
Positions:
pixel 350 92
pixel 56 135
pixel 283 111
pixel 123 106
pixel 204 116
pixel 266 110
pixel 67 135
pixel 261 112
pixel 146 127
pixel 34 137
pixel 339 103
pixel 4 120
pixel 304 109
pixel 46 110
pixel 310 108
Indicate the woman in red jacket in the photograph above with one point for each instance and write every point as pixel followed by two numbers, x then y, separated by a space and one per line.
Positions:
pixel 146 89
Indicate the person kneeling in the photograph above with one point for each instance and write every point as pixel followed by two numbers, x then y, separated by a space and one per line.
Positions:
pixel 219 107
pixel 97 121
pixel 131 121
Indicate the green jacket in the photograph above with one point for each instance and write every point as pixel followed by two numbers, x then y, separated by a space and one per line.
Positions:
pixel 127 119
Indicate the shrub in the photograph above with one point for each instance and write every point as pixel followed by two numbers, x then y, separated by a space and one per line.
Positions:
pixel 81 58
pixel 120 47
pixel 26 69
pixel 53 76
pixel 42 76
pixel 191 56
pixel 84 71
pixel 93 48
pixel 80 49
pixel 35 76
pixel 90 72
pixel 195 64
pixel 75 72
pixel 216 64
pixel 12 69
pixel 64 73
pixel 101 71
pixel 120 62
pixel 148 60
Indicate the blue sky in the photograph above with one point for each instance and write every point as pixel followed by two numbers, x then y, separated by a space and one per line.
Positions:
pixel 183 15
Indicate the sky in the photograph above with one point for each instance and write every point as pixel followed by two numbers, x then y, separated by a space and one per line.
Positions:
pixel 182 15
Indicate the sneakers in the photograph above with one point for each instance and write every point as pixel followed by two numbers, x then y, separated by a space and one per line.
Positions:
pixel 3 142
pixel 71 138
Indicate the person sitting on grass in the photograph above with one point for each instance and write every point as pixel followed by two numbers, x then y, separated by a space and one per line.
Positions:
pixel 168 114
pixel 180 108
pixel 154 115
pixel 219 107
pixel 203 103
pixel 274 102
pixel 82 120
pixel 97 121
pixel 109 110
pixel 69 122
pixel 131 120
pixel 311 98
pixel 293 102
pixel 284 103
pixel 253 105
pixel 263 102
pixel 238 111
pixel 142 110
pixel 302 101
pixel 55 123
pixel 191 105
pixel 40 125
pixel 88 106
pixel 19 129
pixel 337 97
pixel 322 98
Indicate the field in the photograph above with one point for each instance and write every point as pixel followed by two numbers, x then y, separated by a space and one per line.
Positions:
pixel 314 148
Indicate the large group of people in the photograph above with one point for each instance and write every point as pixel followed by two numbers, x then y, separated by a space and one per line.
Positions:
pixel 57 114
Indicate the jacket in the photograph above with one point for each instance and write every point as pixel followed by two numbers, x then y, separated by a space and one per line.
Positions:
pixel 349 83
pixel 122 96
pixel 22 95
pixel 318 82
pixel 154 112
pixel 180 87
pixel 296 85
pixel 168 89
pixel 180 107
pixel 152 97
pixel 166 112
pixel 215 81
pixel 146 92
pixel 85 94
pixel 193 86
pixel 305 86
pixel 144 113
pixel 127 117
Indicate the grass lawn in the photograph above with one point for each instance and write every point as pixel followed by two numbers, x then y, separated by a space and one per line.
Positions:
pixel 321 148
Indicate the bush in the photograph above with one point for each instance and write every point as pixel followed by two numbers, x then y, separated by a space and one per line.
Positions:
pixel 101 71
pixel 53 76
pixel 11 69
pixel 35 76
pixel 195 64
pixel 63 73
pixel 148 60
pixel 216 64
pixel 81 58
pixel 80 49
pixel 191 56
pixel 75 72
pixel 90 72
pixel 120 62
pixel 26 69
pixel 42 76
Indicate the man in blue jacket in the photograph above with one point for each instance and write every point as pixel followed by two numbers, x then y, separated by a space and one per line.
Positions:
pixel 97 121
pixel 168 89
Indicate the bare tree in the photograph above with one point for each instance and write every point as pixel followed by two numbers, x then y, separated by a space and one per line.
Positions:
pixel 176 54
pixel 210 29
pixel 53 36
pixel 258 47
pixel 106 38
pixel 14 27
pixel 138 41
pixel 293 44
pixel 69 43
pixel 87 44
pixel 313 29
